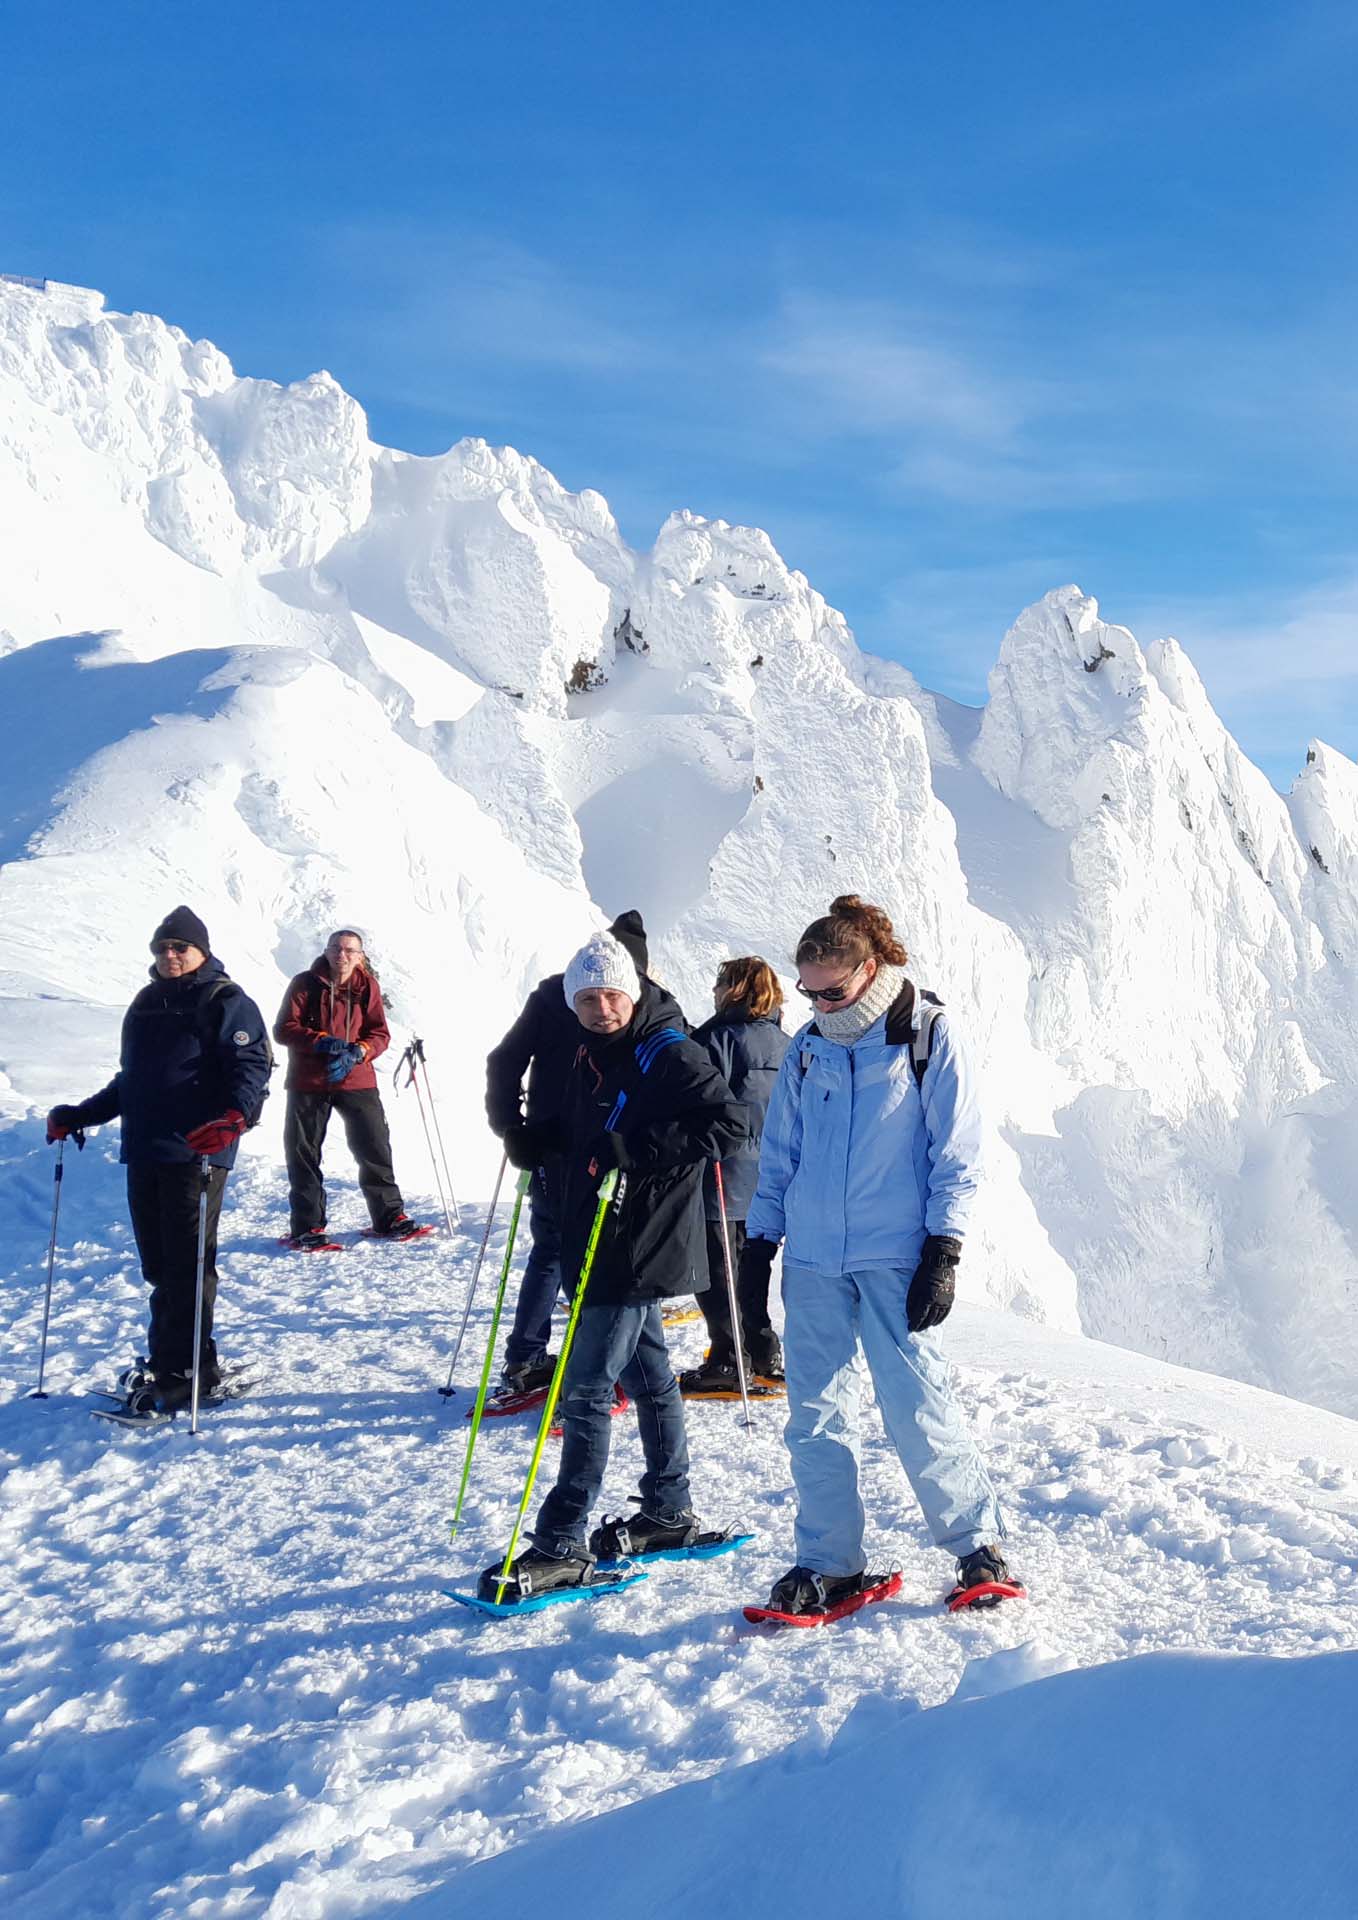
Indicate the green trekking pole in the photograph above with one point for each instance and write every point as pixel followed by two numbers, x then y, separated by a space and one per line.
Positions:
pixel 521 1187
pixel 612 1182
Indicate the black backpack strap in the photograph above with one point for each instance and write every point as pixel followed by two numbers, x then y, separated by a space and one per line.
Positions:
pixel 922 1040
pixel 211 994
pixel 910 1023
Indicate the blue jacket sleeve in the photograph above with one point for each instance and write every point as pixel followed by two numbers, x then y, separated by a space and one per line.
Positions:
pixel 780 1151
pixel 953 1126
pixel 243 1052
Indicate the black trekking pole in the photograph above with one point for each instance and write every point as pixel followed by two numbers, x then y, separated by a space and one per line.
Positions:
pixel 447 1391
pixel 412 1059
pixel 205 1168
pixel 737 1330
pixel 79 1138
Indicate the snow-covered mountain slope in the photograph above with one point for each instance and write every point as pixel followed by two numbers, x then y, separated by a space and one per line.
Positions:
pixel 230 1681
pixel 264 665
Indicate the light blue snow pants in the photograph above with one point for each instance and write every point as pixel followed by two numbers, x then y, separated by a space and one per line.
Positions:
pixel 827 1315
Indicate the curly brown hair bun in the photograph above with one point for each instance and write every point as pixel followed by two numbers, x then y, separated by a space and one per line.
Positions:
pixel 853 930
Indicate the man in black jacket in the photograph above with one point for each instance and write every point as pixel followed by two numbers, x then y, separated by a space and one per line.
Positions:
pixel 642 1098
pixel 192 1076
pixel 543 1043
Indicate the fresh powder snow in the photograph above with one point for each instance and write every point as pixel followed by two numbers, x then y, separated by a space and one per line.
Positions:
pixel 253 661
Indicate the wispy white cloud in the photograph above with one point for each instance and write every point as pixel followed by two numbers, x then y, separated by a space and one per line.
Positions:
pixel 431 296
pixel 869 367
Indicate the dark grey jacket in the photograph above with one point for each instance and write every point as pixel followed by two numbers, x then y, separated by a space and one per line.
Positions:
pixel 747 1053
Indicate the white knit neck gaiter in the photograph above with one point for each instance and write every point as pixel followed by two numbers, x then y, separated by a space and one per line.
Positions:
pixel 844 1025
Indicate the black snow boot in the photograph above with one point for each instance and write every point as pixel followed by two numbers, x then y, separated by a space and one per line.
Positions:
pixel 767 1361
pixel 986 1570
pixel 987 1563
pixel 626 1535
pixel 803 1590
pixel 718 1377
pixel 534 1571
pixel 529 1375
pixel 175 1390
pixel 400 1227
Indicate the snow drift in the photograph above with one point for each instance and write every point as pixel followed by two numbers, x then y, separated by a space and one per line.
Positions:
pixel 1175 1784
pixel 264 665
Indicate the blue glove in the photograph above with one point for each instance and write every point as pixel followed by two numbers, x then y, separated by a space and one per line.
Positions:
pixel 342 1063
pixel 330 1043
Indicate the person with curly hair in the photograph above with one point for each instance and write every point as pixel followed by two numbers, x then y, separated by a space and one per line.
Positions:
pixel 869 1165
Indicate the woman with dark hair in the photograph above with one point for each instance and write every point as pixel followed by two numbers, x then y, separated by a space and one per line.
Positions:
pixel 746 1041
pixel 869 1166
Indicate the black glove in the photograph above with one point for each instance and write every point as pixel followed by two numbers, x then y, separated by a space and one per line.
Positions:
pixel 756 1265
pixel 929 1301
pixel 607 1151
pixel 66 1123
pixel 526 1147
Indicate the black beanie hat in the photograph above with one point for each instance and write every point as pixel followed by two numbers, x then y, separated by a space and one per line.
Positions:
pixel 183 924
pixel 629 933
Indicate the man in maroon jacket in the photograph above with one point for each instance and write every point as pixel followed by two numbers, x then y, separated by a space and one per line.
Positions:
pixel 334 1025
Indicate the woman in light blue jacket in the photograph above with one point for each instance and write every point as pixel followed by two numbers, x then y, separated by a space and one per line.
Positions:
pixel 867 1174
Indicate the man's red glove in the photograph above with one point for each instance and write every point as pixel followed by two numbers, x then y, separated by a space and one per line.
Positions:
pixel 215 1136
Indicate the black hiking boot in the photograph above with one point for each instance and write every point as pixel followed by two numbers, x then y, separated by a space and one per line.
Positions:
pixel 402 1227
pixel 983 1580
pixel 534 1572
pixel 528 1375
pixel 713 1376
pixel 767 1362
pixel 803 1590
pixel 627 1535
pixel 314 1240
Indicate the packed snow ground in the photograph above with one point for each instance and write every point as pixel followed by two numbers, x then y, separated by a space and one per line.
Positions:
pixel 231 1683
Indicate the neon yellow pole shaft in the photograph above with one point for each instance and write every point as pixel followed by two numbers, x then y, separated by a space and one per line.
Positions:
pixel 522 1185
pixel 606 1192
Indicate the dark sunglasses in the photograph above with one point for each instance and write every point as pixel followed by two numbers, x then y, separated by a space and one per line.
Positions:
pixel 171 946
pixel 832 994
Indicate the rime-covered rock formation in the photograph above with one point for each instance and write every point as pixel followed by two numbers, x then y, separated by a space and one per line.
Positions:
pixel 254 660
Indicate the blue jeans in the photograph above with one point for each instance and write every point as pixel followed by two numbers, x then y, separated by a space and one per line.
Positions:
pixel 531 1334
pixel 826 1316
pixel 625 1344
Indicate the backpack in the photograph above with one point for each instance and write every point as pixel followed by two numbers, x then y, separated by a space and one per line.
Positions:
pixel 212 993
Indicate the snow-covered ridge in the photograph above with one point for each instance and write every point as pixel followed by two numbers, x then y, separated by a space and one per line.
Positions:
pixel 268 666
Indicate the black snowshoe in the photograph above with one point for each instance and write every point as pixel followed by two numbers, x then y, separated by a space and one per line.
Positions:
pixel 143 1395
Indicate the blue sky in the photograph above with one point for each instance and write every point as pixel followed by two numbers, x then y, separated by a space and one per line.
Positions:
pixel 960 303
